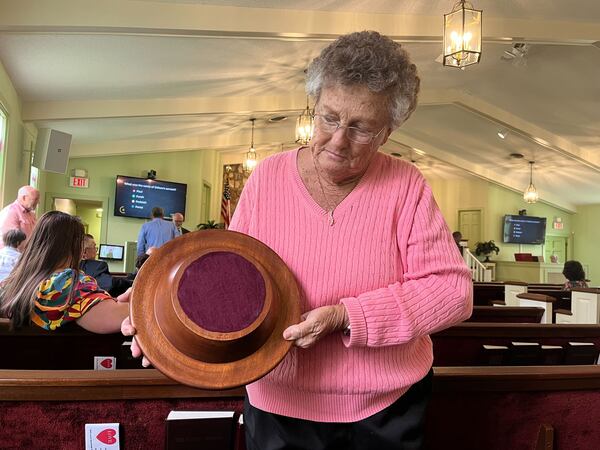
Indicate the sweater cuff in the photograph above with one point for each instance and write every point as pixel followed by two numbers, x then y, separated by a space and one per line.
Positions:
pixel 358 324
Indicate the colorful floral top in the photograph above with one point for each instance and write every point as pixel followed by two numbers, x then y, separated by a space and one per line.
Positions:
pixel 54 306
pixel 574 284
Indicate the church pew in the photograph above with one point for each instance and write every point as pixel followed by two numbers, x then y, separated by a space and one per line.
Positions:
pixel 545 286
pixel 541 301
pixel 563 298
pixel 507 314
pixel 588 304
pixel 488 408
pixel 69 347
pixel 49 409
pixel 497 408
pixel 462 345
pixel 485 292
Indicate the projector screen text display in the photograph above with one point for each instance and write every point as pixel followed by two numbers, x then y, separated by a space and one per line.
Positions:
pixel 135 197
pixel 524 229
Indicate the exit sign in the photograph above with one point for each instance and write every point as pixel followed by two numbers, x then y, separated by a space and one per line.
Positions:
pixel 79 182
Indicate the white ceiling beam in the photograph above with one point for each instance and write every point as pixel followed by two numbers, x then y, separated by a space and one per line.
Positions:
pixel 267 139
pixel 130 16
pixel 161 107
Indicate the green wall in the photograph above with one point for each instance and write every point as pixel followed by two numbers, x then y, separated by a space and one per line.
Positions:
pixel 89 216
pixel 585 240
pixel 190 167
pixel 495 202
pixel 15 165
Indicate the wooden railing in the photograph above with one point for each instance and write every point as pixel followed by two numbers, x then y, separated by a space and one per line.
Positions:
pixel 478 270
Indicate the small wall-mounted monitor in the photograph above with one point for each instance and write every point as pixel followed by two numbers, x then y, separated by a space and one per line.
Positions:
pixel 112 252
pixel 524 229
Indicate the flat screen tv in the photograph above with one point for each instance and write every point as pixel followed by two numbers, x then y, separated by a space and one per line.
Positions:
pixel 524 229
pixel 112 252
pixel 135 197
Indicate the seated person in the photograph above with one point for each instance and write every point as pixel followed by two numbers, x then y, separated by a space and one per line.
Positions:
pixel 47 288
pixel 457 236
pixel 99 269
pixel 575 275
pixel 139 262
pixel 93 267
pixel 10 254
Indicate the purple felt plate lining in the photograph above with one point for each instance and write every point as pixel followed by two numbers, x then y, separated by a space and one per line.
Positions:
pixel 222 292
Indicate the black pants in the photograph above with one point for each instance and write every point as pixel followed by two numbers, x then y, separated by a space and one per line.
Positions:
pixel 397 427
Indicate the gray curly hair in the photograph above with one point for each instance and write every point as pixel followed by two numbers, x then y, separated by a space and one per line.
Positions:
pixel 368 58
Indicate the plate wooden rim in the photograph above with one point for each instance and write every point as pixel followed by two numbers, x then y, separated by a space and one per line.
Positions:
pixel 152 281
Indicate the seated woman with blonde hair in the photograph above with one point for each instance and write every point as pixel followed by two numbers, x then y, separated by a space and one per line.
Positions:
pixel 47 288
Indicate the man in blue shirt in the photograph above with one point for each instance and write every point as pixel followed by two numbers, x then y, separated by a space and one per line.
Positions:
pixel 156 232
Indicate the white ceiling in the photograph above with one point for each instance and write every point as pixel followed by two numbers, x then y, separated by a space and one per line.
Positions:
pixel 128 76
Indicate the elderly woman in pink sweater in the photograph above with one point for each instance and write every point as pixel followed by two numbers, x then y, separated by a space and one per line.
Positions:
pixel 375 260
pixel 376 264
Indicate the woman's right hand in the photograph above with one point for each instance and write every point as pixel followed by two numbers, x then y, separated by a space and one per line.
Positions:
pixel 127 329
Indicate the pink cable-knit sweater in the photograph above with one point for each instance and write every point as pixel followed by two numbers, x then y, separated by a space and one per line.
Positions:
pixel 389 258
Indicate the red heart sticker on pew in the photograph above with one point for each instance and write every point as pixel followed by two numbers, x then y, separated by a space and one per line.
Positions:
pixel 107 436
pixel 106 363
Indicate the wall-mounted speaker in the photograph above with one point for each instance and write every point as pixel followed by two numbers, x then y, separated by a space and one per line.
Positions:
pixel 52 150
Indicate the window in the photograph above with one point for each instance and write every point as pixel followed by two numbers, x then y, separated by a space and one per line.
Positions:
pixel 3 132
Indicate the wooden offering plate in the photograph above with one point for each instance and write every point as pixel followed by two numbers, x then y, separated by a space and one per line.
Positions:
pixel 210 308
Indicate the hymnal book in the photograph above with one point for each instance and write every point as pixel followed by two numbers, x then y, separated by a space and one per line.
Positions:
pixel 581 353
pixel 240 434
pixel 206 430
pixel 494 354
pixel 552 355
pixel 524 354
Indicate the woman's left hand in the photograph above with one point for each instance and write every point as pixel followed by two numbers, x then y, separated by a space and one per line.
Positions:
pixel 317 324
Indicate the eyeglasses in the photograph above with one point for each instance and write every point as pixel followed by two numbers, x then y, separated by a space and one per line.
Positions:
pixel 357 135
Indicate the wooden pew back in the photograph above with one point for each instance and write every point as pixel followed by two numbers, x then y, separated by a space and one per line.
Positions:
pixel 506 314
pixel 462 345
pixel 492 408
pixel 69 347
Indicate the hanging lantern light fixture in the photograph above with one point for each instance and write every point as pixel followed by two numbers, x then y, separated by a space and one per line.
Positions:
pixel 251 157
pixel 305 125
pixel 462 35
pixel 530 195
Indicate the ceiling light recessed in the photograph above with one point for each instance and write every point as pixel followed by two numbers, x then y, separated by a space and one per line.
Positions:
pixel 396 154
pixel 516 155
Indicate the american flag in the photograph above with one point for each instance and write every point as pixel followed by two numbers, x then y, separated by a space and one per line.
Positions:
pixel 226 205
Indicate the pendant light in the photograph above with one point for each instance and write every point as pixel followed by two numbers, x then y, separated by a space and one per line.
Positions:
pixel 305 125
pixel 462 35
pixel 530 195
pixel 251 158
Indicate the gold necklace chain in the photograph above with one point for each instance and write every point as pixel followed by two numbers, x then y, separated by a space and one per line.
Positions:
pixel 330 209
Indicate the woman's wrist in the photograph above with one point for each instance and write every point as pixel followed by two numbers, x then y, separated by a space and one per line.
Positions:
pixel 344 319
